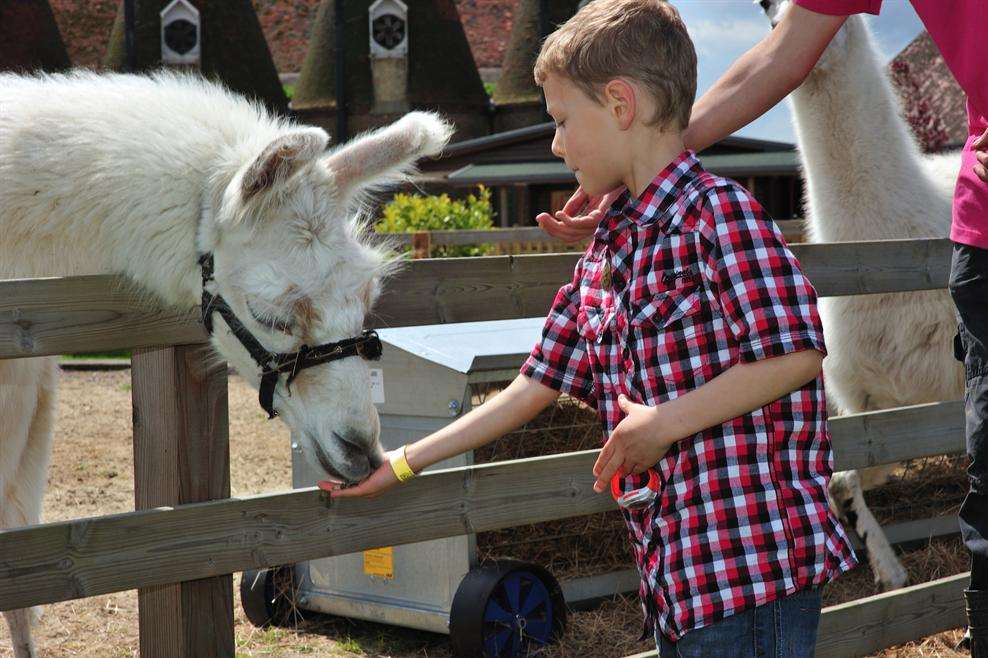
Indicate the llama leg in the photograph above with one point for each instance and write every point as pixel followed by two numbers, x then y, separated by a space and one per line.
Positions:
pixel 847 499
pixel 28 400
pixel 19 622
pixel 876 476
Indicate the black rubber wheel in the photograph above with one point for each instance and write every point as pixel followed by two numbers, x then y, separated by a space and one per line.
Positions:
pixel 506 609
pixel 268 596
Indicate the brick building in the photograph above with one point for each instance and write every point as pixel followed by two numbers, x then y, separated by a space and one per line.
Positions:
pixel 86 24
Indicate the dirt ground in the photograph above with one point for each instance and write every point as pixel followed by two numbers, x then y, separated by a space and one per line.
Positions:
pixel 92 475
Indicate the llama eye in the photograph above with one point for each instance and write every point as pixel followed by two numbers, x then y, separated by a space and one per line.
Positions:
pixel 272 323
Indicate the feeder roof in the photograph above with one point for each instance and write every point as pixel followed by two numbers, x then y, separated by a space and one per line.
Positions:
pixel 469 347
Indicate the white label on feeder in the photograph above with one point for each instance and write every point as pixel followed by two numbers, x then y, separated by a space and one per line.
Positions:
pixel 377 386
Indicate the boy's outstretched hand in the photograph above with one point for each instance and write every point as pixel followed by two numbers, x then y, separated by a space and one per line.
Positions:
pixel 579 217
pixel 634 446
pixel 376 483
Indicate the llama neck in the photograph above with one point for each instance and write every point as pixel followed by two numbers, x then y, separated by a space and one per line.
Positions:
pixel 150 240
pixel 856 146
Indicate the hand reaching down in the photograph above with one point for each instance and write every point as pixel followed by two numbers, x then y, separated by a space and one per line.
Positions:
pixel 579 217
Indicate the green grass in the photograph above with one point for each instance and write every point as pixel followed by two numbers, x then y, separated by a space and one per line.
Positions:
pixel 489 88
pixel 350 644
pixel 289 90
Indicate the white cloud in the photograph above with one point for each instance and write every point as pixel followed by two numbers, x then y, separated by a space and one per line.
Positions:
pixel 718 37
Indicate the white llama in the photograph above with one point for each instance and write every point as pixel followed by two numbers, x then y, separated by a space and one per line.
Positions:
pixel 139 176
pixel 866 179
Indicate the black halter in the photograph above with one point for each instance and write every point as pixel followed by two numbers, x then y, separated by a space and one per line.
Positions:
pixel 367 345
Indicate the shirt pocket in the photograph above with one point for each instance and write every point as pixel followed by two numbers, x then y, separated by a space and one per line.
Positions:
pixel 667 309
pixel 670 313
pixel 672 289
pixel 596 301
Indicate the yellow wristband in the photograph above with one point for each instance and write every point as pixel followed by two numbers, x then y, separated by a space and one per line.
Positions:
pixel 399 464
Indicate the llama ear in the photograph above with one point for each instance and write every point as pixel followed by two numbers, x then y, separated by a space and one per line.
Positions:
pixel 280 159
pixel 386 155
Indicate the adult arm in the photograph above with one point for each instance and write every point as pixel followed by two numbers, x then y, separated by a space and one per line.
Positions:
pixel 754 84
pixel 762 77
pixel 757 81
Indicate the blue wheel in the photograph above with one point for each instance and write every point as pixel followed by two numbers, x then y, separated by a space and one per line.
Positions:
pixel 506 609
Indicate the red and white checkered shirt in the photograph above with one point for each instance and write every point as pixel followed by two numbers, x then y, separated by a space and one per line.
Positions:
pixel 676 287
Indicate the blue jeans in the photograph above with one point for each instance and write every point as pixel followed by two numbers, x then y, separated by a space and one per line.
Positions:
pixel 783 628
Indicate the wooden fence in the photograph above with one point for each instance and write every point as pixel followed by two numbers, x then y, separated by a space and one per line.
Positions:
pixel 517 241
pixel 180 548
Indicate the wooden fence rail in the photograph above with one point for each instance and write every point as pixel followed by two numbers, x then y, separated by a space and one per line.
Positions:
pixel 95 313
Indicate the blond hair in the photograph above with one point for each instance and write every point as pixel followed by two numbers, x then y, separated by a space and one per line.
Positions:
pixel 642 40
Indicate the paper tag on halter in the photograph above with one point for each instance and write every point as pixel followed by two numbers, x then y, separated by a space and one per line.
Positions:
pixel 377 386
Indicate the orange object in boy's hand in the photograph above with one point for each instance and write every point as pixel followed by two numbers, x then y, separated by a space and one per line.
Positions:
pixel 634 446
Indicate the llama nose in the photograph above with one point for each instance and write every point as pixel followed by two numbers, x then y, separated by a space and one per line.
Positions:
pixel 350 463
pixel 357 451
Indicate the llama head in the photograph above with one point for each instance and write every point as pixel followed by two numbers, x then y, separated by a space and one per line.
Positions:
pixel 774 9
pixel 293 265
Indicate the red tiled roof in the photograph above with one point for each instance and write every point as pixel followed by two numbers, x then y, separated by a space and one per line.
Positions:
pixel 287 25
pixel 934 103
pixel 85 26
pixel 487 24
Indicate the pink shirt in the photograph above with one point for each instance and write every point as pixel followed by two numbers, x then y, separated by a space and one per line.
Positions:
pixel 956 27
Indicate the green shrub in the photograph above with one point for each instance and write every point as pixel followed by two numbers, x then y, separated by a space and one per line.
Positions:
pixel 415 212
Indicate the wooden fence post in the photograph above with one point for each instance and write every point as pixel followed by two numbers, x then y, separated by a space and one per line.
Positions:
pixel 182 455
pixel 422 244
pixel 523 201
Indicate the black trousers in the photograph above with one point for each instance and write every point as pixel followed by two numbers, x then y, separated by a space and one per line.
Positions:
pixel 969 290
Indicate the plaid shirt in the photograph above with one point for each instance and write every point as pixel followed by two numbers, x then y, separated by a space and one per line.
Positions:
pixel 676 287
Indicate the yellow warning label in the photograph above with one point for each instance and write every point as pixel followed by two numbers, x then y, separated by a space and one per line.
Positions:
pixel 379 562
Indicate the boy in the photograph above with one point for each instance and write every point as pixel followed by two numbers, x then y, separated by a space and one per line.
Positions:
pixel 690 327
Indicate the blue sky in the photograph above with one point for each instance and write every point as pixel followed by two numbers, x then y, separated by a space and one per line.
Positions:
pixel 724 29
